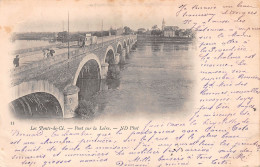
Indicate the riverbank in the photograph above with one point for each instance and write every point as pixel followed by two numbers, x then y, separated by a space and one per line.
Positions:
pixel 151 38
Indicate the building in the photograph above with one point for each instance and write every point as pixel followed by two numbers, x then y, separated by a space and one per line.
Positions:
pixel 141 30
pixel 148 32
pixel 163 24
pixel 169 31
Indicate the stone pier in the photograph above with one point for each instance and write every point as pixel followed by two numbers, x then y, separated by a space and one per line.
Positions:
pixel 122 57
pixel 127 50
pixel 104 70
pixel 103 85
pixel 117 58
pixel 70 101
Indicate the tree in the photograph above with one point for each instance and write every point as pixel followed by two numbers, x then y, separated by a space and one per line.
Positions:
pixel 189 33
pixel 156 32
pixel 112 31
pixel 127 30
pixel 154 27
pixel 177 32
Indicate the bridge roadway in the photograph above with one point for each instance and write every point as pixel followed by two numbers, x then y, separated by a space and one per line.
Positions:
pixel 29 56
pixel 58 75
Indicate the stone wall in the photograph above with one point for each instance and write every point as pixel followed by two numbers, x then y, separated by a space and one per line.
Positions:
pixel 55 75
pixel 57 62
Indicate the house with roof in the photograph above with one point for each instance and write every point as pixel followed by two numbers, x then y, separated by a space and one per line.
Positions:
pixel 169 31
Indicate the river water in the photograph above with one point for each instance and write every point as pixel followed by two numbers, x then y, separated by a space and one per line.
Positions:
pixel 25 44
pixel 156 80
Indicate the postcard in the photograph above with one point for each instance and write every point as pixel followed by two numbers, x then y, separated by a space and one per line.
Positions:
pixel 118 83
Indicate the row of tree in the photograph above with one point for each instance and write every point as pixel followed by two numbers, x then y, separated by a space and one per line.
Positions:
pixel 126 31
pixel 187 32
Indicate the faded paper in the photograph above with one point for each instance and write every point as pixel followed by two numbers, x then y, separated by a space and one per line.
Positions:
pixel 213 119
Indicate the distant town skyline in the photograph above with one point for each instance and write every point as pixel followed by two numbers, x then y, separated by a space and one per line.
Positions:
pixel 92 25
pixel 89 18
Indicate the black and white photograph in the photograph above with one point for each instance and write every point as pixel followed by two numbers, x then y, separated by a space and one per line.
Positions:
pixel 129 83
pixel 87 66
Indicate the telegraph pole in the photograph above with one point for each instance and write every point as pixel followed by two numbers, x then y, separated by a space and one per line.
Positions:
pixel 102 32
pixel 68 35
pixel 115 33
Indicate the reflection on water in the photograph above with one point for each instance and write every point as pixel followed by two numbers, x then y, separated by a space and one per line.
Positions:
pixel 113 71
pixel 156 79
pixel 88 88
pixel 36 105
pixel 88 105
pixel 90 85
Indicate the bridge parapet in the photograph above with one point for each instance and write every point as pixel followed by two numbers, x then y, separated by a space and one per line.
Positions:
pixel 60 72
pixel 61 58
pixel 26 50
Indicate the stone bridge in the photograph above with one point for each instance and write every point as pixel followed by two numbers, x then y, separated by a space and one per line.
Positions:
pixel 58 75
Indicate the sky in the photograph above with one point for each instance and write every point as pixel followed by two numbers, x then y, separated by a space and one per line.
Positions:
pixel 52 16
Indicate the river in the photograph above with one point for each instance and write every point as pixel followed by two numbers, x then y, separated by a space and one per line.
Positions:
pixel 25 44
pixel 156 81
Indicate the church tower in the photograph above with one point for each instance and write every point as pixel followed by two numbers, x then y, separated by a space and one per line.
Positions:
pixel 163 24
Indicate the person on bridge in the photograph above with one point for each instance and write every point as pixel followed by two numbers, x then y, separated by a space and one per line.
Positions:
pixel 16 61
pixel 45 53
pixel 52 52
pixel 83 44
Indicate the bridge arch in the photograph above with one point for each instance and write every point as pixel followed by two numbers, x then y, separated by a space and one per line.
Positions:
pixel 109 55
pixel 86 59
pixel 37 86
pixel 119 47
